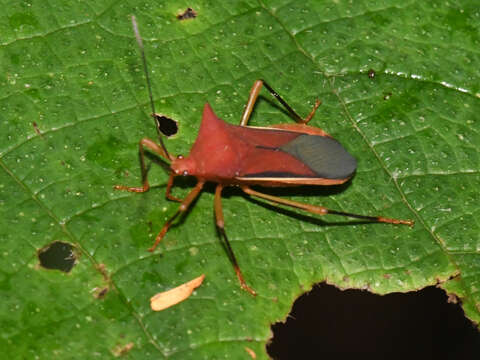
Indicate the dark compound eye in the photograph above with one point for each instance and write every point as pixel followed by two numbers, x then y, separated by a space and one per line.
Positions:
pixel 180 157
pixel 185 173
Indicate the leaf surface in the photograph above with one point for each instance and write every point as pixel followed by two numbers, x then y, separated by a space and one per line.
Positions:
pixel 74 106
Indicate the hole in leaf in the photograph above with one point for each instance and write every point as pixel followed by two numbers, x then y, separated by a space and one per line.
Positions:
pixel 167 126
pixel 58 256
pixel 187 14
pixel 328 323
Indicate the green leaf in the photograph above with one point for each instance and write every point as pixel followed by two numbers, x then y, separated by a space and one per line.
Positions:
pixel 74 106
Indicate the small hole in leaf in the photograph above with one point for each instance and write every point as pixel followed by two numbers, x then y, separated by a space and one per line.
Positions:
pixel 58 256
pixel 329 323
pixel 167 126
pixel 187 14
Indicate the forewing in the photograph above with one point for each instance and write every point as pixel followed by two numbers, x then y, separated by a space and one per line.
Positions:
pixel 325 156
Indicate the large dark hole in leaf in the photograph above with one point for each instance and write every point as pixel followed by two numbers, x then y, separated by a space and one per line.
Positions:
pixel 57 255
pixel 418 325
pixel 167 126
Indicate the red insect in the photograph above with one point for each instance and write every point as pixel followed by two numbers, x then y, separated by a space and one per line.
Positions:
pixel 240 155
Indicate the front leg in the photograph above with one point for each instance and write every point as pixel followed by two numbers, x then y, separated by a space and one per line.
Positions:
pixel 169 189
pixel 156 149
pixel 181 210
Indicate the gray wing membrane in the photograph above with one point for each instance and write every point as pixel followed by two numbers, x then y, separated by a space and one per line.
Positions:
pixel 324 155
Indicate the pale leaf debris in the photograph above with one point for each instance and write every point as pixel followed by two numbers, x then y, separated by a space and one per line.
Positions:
pixel 165 299
pixel 251 352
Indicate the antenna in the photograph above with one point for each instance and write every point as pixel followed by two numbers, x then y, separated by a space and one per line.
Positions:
pixel 149 86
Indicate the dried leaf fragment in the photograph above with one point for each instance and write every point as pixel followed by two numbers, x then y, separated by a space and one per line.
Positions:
pixel 251 352
pixel 122 350
pixel 164 300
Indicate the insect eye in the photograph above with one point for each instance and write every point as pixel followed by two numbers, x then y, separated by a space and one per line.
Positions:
pixel 180 157
pixel 185 173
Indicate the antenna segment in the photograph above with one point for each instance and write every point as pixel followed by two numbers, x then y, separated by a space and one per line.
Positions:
pixel 149 86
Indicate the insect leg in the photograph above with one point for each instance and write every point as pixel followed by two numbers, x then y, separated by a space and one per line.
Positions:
pixel 320 210
pixel 221 229
pixel 289 108
pixel 182 208
pixel 252 99
pixel 153 147
pixel 169 189
pixel 257 86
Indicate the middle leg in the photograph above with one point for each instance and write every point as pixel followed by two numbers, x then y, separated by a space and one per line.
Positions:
pixel 221 229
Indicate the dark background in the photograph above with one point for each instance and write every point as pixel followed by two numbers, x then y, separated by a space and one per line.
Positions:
pixel 329 322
